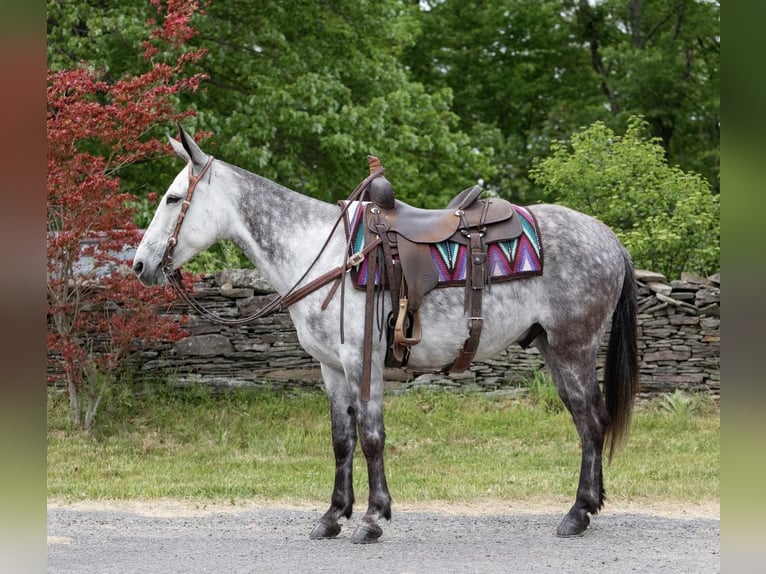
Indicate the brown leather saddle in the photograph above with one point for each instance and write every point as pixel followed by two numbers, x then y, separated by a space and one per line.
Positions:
pixel 408 269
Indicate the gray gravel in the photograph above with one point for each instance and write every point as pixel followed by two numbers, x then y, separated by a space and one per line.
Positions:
pixel 276 540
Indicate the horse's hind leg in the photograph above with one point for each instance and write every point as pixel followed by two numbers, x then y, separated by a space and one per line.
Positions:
pixel 343 419
pixel 573 368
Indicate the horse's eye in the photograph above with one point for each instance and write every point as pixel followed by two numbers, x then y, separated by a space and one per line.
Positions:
pixel 172 199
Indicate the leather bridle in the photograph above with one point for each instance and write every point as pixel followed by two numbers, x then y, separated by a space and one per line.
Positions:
pixel 167 258
pixel 295 293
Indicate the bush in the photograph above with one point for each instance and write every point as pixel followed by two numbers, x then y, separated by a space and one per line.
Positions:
pixel 666 218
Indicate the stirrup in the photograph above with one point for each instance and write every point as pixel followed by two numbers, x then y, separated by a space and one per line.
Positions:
pixel 400 337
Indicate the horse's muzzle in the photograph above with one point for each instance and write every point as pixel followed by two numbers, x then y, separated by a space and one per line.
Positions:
pixel 142 273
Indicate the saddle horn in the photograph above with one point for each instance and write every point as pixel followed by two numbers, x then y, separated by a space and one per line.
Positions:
pixel 381 190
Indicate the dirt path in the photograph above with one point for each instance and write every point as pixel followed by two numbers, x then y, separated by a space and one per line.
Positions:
pixel 174 536
pixel 174 507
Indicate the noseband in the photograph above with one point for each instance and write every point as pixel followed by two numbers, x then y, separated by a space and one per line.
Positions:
pixel 295 293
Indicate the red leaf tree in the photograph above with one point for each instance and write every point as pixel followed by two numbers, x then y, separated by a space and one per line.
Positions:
pixel 98 313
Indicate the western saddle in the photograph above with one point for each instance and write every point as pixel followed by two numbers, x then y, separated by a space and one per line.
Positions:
pixel 408 271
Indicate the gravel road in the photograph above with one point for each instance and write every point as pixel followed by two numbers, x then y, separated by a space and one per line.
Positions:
pixel 107 539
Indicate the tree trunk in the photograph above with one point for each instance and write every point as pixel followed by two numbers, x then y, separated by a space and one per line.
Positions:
pixel 95 394
pixel 75 403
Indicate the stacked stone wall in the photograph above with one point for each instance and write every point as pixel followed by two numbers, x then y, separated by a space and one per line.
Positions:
pixel 679 343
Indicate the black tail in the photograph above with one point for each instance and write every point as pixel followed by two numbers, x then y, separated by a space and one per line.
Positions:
pixel 621 369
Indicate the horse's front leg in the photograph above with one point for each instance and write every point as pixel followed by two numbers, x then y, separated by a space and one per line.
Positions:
pixel 372 436
pixel 343 419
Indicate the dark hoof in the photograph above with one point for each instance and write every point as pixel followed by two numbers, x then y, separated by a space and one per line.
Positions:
pixel 324 530
pixel 366 533
pixel 572 526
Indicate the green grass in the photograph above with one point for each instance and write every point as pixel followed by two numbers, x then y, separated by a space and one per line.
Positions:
pixel 440 447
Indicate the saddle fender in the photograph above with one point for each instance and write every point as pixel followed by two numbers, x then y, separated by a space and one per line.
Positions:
pixel 418 269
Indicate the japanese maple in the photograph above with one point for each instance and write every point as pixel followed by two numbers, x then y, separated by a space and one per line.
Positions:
pixel 98 313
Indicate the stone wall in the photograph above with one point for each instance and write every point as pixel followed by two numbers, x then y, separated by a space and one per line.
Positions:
pixel 679 343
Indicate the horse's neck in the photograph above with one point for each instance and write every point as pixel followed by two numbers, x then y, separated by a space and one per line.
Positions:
pixel 282 231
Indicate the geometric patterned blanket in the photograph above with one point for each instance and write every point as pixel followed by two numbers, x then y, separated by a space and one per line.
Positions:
pixel 506 260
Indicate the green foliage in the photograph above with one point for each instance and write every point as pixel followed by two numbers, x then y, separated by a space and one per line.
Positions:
pixel 526 73
pixel 223 255
pixel 684 404
pixel 667 219
pixel 445 92
pixel 103 34
pixel 301 96
pixel 542 392
pixel 518 79
pixel 665 66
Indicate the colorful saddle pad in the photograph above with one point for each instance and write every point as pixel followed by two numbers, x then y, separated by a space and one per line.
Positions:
pixel 506 260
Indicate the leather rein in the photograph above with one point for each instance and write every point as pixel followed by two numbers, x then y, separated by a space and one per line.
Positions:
pixel 295 293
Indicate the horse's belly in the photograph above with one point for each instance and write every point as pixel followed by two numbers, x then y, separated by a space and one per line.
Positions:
pixel 445 328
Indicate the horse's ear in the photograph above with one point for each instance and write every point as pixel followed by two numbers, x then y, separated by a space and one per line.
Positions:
pixel 188 149
pixel 178 148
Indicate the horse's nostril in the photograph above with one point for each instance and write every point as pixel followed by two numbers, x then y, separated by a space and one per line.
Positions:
pixel 138 267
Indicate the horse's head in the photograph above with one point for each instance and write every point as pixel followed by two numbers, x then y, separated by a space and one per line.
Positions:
pixel 186 222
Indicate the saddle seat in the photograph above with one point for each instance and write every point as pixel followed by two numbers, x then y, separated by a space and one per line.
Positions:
pixel 493 217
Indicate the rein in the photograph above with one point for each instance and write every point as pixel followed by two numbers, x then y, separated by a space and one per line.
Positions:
pixel 295 293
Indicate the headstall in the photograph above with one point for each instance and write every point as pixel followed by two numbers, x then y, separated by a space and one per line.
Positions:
pixel 295 293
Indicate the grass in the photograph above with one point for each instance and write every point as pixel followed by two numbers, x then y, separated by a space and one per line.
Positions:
pixel 441 446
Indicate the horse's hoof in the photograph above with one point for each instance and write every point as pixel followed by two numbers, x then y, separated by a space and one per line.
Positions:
pixel 324 530
pixel 366 533
pixel 572 526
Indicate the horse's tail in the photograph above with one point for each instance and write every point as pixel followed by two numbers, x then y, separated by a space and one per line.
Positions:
pixel 621 369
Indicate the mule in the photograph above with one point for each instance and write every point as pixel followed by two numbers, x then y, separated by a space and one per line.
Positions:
pixel 588 281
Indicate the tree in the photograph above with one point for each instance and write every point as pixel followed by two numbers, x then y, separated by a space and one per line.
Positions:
pixel 302 95
pixel 445 92
pixel 526 73
pixel 98 314
pixel 667 218
pixel 661 59
pixel 518 79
